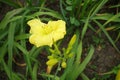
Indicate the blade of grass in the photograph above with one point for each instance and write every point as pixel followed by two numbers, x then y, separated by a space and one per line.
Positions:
pixel 79 52
pixel 106 16
pixel 21 48
pixel 50 76
pixel 62 10
pixel 36 52
pixel 98 7
pixel 55 15
pixel 82 66
pixel 10 45
pixel 29 2
pixel 22 36
pixel 79 8
pixel 84 77
pixel 3 51
pixel 114 6
pixel 27 57
pixel 11 3
pixel 112 19
pixel 3 33
pixel 107 35
pixel 28 62
pixel 8 72
pixel 22 27
pixel 84 7
pixel 84 28
pixel 8 16
pixel 35 71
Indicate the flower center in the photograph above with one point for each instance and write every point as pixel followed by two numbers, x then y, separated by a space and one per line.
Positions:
pixel 47 29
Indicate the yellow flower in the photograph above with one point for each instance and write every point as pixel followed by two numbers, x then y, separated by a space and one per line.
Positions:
pixel 50 64
pixel 46 34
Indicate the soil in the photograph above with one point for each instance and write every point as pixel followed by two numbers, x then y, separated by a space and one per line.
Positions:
pixel 103 60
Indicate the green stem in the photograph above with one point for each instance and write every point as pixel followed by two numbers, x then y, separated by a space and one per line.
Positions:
pixel 56 48
pixel 29 65
pixel 58 69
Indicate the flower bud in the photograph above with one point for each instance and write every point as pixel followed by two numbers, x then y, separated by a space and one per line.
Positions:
pixel 63 64
pixel 51 62
pixel 72 41
pixel 70 45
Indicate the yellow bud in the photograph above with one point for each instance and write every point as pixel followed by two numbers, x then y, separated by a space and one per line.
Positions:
pixel 49 68
pixel 52 62
pixel 63 64
pixel 118 75
pixel 70 45
pixel 72 41
pixel 50 57
pixel 70 55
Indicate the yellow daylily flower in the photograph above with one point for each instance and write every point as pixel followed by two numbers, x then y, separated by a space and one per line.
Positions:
pixel 46 34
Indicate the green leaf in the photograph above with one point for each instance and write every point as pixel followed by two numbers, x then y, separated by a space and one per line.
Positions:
pixel 9 16
pixel 79 52
pixel 11 3
pixel 11 32
pixel 82 66
pixel 35 68
pixel 107 35
pixel 115 17
pixel 69 8
pixel 22 36
pixel 84 77
pixel 52 14
pixel 106 16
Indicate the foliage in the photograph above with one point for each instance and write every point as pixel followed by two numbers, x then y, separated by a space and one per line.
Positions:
pixel 80 15
pixel 14 39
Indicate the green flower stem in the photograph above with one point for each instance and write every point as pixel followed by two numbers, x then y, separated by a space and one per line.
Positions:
pixel 58 69
pixel 56 48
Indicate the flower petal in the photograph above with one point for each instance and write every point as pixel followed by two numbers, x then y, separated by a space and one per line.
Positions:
pixel 39 40
pixel 59 29
pixel 36 26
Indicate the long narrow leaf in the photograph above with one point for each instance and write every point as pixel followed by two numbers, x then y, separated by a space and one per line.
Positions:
pixel 56 15
pixel 10 44
pixel 11 3
pixel 107 35
pixel 112 19
pixel 98 7
pixel 8 16
pixel 35 71
pixel 82 66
